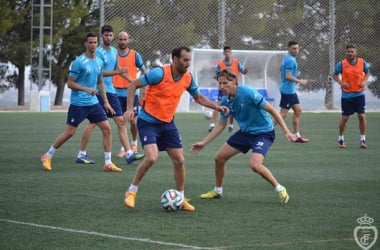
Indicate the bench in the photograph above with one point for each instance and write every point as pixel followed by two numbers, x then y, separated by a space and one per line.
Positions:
pixel 264 93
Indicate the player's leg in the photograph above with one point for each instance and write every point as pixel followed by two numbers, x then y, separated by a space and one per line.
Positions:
pixel 75 116
pixel 82 156
pixel 226 151
pixel 150 132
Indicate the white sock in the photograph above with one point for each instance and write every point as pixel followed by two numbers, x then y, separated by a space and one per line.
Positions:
pixel 133 188
pixel 212 125
pixel 182 193
pixel 122 148
pixel 230 126
pixel 51 151
pixel 218 190
pixel 297 134
pixel 107 158
pixel 128 153
pixel 278 188
pixel 82 153
pixel 134 142
pixel 341 138
pixel 362 137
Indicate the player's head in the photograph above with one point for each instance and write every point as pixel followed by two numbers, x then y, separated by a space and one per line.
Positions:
pixel 181 58
pixel 122 40
pixel 227 81
pixel 227 52
pixel 351 51
pixel 293 48
pixel 107 34
pixel 91 42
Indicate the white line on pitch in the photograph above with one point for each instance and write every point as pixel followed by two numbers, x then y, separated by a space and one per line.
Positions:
pixel 104 235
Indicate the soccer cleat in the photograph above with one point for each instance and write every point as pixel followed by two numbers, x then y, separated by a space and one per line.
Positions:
pixel 302 139
pixel 211 195
pixel 187 206
pixel 341 144
pixel 111 168
pixel 84 159
pixel 210 128
pixel 283 195
pixel 134 157
pixel 134 148
pixel 46 162
pixel 362 144
pixel 121 153
pixel 129 199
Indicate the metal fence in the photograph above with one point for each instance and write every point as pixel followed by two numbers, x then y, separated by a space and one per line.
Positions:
pixel 322 28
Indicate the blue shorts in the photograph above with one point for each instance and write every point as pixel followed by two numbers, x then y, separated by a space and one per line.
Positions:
pixel 165 135
pixel 114 102
pixel 77 114
pixel 123 103
pixel 258 143
pixel 288 100
pixel 352 105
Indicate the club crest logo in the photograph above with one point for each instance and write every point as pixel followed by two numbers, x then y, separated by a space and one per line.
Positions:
pixel 365 235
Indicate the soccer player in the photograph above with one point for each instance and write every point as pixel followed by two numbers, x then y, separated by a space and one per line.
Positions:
pixel 253 114
pixel 132 60
pixel 156 127
pixel 85 81
pixel 107 54
pixel 289 81
pixel 237 67
pixel 354 73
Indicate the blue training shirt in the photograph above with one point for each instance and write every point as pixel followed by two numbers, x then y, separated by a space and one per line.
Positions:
pixel 154 76
pixel 86 72
pixel 338 70
pixel 247 107
pixel 109 64
pixel 289 64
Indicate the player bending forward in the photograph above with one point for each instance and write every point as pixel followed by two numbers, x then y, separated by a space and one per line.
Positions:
pixel 253 114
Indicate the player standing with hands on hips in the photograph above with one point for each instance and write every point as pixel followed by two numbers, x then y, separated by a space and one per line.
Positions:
pixel 354 73
pixel 253 114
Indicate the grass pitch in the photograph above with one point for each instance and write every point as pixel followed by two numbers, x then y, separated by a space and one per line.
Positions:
pixel 81 207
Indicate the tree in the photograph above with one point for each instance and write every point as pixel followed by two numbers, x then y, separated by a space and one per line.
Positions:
pixel 71 20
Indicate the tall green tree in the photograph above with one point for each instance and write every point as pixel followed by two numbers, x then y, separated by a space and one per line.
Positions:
pixel 71 20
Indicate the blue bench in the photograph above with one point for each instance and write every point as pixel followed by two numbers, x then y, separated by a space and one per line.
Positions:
pixel 264 93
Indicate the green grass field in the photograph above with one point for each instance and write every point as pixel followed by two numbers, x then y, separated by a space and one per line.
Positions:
pixel 81 207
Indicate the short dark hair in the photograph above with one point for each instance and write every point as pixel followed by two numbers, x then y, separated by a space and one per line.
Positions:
pixel 351 46
pixel 226 48
pixel 291 43
pixel 177 51
pixel 90 34
pixel 106 28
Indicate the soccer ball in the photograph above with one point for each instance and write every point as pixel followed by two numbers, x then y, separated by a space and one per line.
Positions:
pixel 171 200
pixel 208 114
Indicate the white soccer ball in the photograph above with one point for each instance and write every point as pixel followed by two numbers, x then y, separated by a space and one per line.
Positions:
pixel 172 200
pixel 208 114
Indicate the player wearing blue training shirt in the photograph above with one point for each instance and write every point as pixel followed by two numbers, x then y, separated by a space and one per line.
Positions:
pixel 253 114
pixel 85 81
pixel 108 54
pixel 156 126
pixel 289 97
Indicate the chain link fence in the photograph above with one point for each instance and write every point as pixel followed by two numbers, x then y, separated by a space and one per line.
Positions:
pixel 322 28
